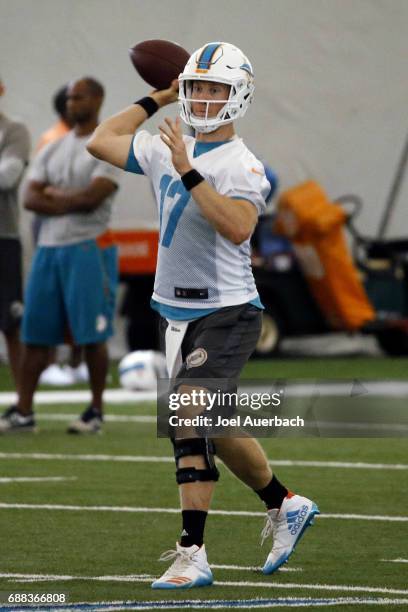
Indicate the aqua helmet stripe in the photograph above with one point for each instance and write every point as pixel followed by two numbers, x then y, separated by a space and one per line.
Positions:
pixel 204 61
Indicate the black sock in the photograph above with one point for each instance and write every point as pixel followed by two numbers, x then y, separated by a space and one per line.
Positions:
pixel 193 527
pixel 273 494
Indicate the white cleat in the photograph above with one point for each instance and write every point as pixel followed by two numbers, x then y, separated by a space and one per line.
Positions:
pixel 90 422
pixel 287 525
pixel 12 421
pixel 189 569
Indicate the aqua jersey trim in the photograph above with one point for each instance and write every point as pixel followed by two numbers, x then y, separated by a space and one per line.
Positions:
pixel 175 313
pixel 132 165
pixel 272 179
pixel 204 147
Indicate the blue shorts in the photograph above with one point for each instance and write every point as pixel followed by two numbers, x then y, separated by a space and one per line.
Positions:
pixel 70 286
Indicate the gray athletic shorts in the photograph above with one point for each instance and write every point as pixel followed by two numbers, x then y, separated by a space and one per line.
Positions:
pixel 218 345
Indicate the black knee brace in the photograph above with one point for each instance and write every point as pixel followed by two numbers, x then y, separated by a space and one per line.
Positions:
pixel 195 446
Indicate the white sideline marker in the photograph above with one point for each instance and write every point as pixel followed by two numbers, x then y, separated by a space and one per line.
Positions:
pixel 71 508
pixel 155 459
pixel 395 560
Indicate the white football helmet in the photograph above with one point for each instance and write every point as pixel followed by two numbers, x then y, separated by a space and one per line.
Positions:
pixel 139 371
pixel 218 62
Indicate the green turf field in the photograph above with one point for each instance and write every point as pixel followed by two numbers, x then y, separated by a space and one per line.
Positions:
pixel 111 516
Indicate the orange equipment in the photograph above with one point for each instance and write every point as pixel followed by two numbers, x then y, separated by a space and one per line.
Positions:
pixel 314 225
pixel 137 250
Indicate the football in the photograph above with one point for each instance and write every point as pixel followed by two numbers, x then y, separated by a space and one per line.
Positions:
pixel 158 62
pixel 139 371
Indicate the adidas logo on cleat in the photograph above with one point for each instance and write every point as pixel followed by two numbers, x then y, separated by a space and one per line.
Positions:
pixel 296 519
pixel 287 526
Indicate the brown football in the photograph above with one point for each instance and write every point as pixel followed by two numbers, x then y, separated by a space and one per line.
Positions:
pixel 158 62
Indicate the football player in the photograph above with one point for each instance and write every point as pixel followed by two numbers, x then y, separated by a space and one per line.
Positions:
pixel 210 190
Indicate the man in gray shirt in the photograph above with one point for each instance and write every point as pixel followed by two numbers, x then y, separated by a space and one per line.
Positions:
pixel 14 154
pixel 73 278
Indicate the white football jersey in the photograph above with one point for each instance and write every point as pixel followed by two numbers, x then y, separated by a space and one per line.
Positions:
pixel 197 267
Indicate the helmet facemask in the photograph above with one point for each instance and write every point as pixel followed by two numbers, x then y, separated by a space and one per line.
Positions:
pixel 206 123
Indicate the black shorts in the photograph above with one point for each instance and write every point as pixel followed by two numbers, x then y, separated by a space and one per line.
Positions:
pixel 11 304
pixel 220 344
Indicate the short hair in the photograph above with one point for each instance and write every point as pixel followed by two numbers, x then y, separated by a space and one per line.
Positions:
pixel 60 101
pixel 95 88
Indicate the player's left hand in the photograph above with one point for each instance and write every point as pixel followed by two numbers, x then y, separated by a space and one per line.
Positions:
pixel 172 135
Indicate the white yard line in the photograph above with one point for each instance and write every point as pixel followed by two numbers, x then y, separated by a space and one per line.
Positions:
pixel 130 577
pixel 314 587
pixel 366 517
pixel 372 388
pixel 241 583
pixel 122 418
pixel 7 480
pixel 253 568
pixel 349 388
pixel 395 560
pixel 65 457
pixel 111 396
pixel 133 509
pixel 109 418
pixel 214 604
pixel 287 602
pixel 359 465
pixel 68 577
pixel 245 604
